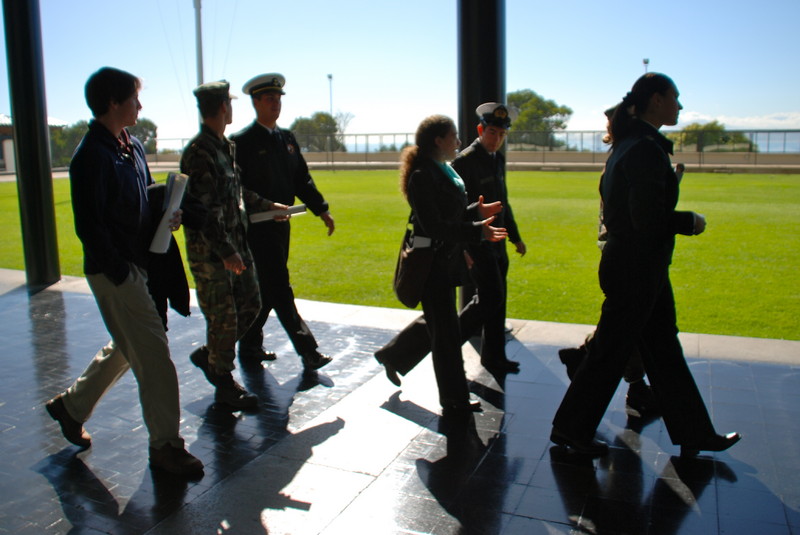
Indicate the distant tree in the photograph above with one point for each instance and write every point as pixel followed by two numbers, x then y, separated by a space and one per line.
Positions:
pixel 317 133
pixel 342 120
pixel 145 131
pixel 64 141
pixel 538 119
pixel 712 137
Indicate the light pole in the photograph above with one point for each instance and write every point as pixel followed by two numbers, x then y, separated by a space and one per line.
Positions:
pixel 198 30
pixel 330 85
pixel 646 62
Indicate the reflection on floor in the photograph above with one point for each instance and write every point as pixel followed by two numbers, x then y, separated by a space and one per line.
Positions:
pixel 347 452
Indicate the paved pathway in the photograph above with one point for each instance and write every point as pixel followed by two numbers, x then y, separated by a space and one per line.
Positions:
pixel 347 452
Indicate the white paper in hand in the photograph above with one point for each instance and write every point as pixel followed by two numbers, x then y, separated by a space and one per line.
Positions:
pixel 176 186
pixel 269 215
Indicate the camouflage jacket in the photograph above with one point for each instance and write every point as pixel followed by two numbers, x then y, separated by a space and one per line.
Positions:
pixel 214 181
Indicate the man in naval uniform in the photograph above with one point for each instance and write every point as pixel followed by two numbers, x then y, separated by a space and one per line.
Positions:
pixel 273 167
pixel 483 168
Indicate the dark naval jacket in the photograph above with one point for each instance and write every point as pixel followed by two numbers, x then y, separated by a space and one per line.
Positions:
pixel 640 191
pixel 485 175
pixel 273 167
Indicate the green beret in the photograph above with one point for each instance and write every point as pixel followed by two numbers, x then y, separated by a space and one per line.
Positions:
pixel 220 88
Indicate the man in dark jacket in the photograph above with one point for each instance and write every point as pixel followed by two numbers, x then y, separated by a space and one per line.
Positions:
pixel 109 179
pixel 272 166
pixel 483 168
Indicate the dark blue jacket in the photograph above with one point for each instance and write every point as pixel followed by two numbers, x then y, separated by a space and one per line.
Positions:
pixel 109 201
pixel 486 175
pixel 640 190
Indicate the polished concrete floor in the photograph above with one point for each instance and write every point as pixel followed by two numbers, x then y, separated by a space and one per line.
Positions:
pixel 347 452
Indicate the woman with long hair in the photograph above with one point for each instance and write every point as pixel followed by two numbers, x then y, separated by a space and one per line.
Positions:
pixel 639 190
pixel 439 212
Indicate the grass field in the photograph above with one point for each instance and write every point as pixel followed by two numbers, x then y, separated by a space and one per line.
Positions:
pixel 739 278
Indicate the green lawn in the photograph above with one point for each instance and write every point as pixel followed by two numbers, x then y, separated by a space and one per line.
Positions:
pixel 738 278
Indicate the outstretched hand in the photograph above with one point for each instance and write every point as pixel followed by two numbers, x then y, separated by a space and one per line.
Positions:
pixel 488 210
pixel 491 233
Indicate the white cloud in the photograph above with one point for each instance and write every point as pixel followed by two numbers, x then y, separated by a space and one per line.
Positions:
pixel 772 121
pixel 594 120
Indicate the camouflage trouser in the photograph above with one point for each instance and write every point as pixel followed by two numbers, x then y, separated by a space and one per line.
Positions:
pixel 230 303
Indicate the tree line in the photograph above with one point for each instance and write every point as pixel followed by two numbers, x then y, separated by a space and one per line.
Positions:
pixel 64 141
pixel 537 125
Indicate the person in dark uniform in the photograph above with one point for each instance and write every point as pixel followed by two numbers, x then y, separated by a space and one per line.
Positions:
pixel 218 254
pixel 640 398
pixel 440 212
pixel 482 168
pixel 273 167
pixel 639 191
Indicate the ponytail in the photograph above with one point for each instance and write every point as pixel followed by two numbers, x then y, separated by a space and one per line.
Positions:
pixel 425 138
pixel 408 161
pixel 634 103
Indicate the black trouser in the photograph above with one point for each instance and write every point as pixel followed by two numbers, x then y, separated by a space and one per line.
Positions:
pixel 634 370
pixel 269 243
pixel 638 312
pixel 485 310
pixel 439 307
pixel 489 276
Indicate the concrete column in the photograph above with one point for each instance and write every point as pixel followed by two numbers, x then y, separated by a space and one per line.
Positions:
pixel 481 70
pixel 481 60
pixel 32 142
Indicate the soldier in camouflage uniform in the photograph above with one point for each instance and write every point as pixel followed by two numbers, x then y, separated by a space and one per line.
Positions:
pixel 218 254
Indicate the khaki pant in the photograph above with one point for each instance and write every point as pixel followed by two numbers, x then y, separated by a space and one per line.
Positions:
pixel 138 342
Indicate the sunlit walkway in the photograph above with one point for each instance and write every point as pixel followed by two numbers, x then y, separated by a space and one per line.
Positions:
pixel 348 453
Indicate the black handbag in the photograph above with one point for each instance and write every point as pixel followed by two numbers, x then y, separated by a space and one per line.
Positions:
pixel 413 267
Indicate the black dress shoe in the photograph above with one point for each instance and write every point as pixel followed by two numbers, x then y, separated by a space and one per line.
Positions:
pixel 714 443
pixel 571 357
pixel 501 365
pixel 641 399
pixel 315 361
pixel 71 428
pixel 255 354
pixel 391 374
pixel 593 448
pixel 471 405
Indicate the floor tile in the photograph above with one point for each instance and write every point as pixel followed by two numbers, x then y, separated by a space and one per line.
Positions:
pixel 345 451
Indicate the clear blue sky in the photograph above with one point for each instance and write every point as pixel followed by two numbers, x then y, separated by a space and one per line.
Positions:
pixel 394 62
